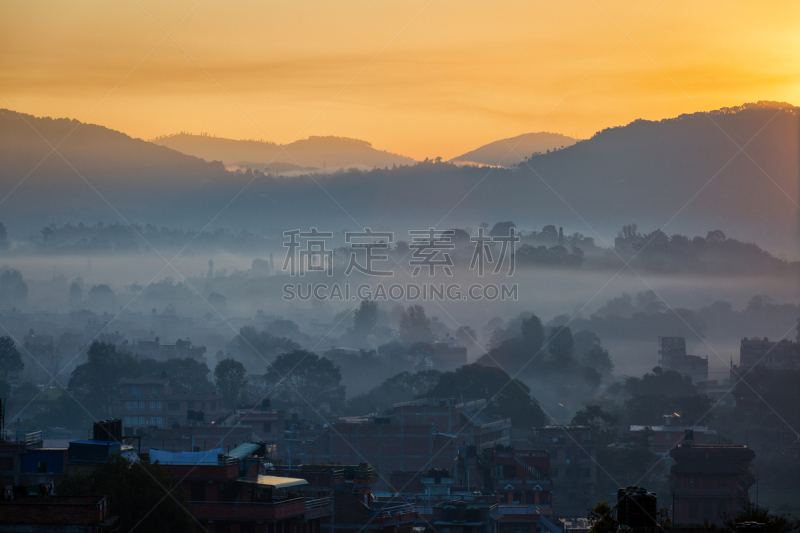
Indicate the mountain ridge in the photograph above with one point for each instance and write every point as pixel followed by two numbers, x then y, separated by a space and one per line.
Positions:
pixel 316 151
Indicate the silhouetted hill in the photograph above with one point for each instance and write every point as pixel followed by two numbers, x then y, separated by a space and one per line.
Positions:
pixel 316 152
pixel 683 173
pixel 497 152
pixel 127 172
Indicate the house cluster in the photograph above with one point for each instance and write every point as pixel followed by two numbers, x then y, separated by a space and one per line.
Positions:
pixel 431 465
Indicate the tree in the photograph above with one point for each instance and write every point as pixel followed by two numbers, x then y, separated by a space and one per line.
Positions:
pixel 136 494
pixel 10 359
pixel 603 424
pixel 506 398
pixel 306 382
pixel 773 523
pixel 75 292
pixel 501 229
pixel 601 519
pixel 398 388
pixel 13 289
pixel 97 380
pixel 597 357
pixel 230 376
pixel 560 344
pixel 185 375
pixel 533 333
pixel 102 296
pixel 415 326
pixel 364 319
pixel 467 336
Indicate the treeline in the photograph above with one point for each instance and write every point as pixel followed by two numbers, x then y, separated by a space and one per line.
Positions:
pixel 713 254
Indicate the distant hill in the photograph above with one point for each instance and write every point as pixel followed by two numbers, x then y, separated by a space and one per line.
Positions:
pixel 681 174
pixel 329 152
pixel 500 153
pixel 135 176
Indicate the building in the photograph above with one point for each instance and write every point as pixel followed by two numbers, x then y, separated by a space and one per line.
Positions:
pixel 56 514
pixel 385 447
pixel 777 355
pixel 674 357
pixel 149 402
pixel 672 433
pixel 221 498
pixel 14 445
pixel 463 517
pixel 419 435
pixel 182 349
pixel 356 508
pixel 451 416
pixel 522 479
pixel 708 482
pixel 572 452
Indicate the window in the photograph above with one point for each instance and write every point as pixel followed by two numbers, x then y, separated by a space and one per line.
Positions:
pixel 41 467
pixel 135 391
pixel 152 421
pixel 141 405
pixel 127 406
pixel 159 406
pixel 155 391
pixel 174 406
pixel 141 420
pixel 159 421
pixel 127 421
pixel 152 406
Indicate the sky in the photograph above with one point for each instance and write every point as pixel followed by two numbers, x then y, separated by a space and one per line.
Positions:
pixel 420 78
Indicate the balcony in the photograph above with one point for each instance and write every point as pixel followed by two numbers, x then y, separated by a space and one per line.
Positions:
pixel 28 438
pixel 250 510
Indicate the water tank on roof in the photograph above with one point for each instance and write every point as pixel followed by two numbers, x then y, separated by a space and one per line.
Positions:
pixel 449 513
pixel 473 514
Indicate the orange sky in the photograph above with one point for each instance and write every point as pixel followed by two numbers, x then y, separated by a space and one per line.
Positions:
pixel 461 74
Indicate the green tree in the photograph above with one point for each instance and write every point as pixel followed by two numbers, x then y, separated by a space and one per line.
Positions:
pixel 136 494
pixel 364 319
pixel 401 387
pixel 533 333
pixel 415 326
pixel 773 523
pixel 601 519
pixel 185 375
pixel 598 358
pixel 3 237
pixel 560 344
pixel 603 424
pixel 306 382
pixel 10 359
pixel 506 398
pixel 97 380
pixel 230 377
pixel 13 289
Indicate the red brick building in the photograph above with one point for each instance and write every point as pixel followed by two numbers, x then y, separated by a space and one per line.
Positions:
pixel 522 478
pixel 222 501
pixel 84 514
pixel 710 483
